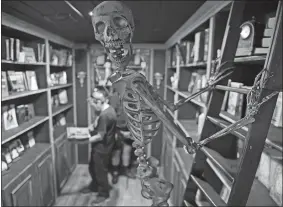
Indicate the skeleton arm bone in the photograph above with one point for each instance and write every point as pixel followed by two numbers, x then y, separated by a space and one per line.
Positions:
pixel 150 101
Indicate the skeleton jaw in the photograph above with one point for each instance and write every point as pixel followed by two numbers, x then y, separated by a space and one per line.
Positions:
pixel 119 52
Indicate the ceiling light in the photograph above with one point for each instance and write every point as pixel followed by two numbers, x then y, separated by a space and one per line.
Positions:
pixel 90 13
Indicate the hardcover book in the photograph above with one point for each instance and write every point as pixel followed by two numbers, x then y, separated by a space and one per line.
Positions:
pixel 31 80
pixel 79 133
pixel 5 90
pixel 9 117
pixel 235 101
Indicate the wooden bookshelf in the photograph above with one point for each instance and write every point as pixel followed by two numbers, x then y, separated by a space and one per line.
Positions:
pixel 219 163
pixel 45 159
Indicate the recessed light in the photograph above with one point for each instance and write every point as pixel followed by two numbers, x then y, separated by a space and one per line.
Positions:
pixel 90 13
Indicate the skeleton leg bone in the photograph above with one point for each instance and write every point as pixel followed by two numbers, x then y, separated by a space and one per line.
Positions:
pixel 152 187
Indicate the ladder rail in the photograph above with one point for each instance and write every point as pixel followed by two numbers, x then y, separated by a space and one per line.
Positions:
pixel 255 139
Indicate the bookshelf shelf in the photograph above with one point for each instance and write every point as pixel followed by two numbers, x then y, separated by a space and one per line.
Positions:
pixel 250 59
pixel 61 66
pixel 199 65
pixel 23 63
pixel 227 166
pixel 24 162
pixel 209 192
pixel 17 95
pixel 61 109
pixel 21 129
pixel 61 86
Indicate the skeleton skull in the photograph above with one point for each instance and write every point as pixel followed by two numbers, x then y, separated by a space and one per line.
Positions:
pixel 113 25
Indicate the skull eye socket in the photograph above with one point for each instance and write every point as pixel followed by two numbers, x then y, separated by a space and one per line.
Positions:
pixel 100 26
pixel 120 22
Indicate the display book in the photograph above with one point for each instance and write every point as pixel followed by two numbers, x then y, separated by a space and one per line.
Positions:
pixel 78 133
pixel 12 151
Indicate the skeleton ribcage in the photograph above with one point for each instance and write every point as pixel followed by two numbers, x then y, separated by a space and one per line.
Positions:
pixel 141 120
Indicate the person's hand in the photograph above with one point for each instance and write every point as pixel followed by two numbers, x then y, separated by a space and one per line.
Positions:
pixel 91 127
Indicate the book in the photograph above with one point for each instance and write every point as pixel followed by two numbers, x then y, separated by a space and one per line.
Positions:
pixel 31 80
pixel 12 40
pixel 10 117
pixel 268 32
pixel 266 42
pixel 235 101
pixel 21 112
pixel 16 81
pixel 277 114
pixel 199 46
pixel 5 89
pixel 271 22
pixel 79 133
pixel 189 48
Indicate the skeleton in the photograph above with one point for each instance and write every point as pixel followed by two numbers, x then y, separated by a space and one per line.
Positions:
pixel 113 27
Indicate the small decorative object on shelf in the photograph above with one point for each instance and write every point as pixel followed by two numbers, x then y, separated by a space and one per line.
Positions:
pixel 158 77
pixel 31 140
pixel 250 38
pixel 81 76
pixel 174 81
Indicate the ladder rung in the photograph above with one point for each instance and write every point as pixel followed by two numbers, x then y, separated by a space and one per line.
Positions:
pixel 209 192
pixel 274 136
pixel 233 89
pixel 228 167
pixel 240 133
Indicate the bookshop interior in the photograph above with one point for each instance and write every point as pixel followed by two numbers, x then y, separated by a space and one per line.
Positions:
pixel 141 103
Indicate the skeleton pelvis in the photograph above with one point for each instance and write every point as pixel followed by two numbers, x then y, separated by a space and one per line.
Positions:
pixel 144 171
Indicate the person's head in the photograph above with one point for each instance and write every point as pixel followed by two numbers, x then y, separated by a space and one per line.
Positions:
pixel 113 25
pixel 99 97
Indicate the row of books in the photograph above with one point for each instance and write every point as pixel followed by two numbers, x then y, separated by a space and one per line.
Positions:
pixel 60 97
pixel 12 116
pixel 193 51
pixel 58 78
pixel 14 149
pixel 60 57
pixel 14 49
pixel 17 81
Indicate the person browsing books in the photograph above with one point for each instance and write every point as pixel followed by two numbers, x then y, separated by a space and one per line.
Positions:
pixel 102 140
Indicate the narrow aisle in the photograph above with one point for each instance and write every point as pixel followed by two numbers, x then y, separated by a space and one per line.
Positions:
pixel 125 193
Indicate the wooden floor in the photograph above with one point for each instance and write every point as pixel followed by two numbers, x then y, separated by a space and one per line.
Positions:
pixel 125 193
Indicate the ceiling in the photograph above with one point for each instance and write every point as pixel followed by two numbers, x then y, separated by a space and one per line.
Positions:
pixel 156 21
